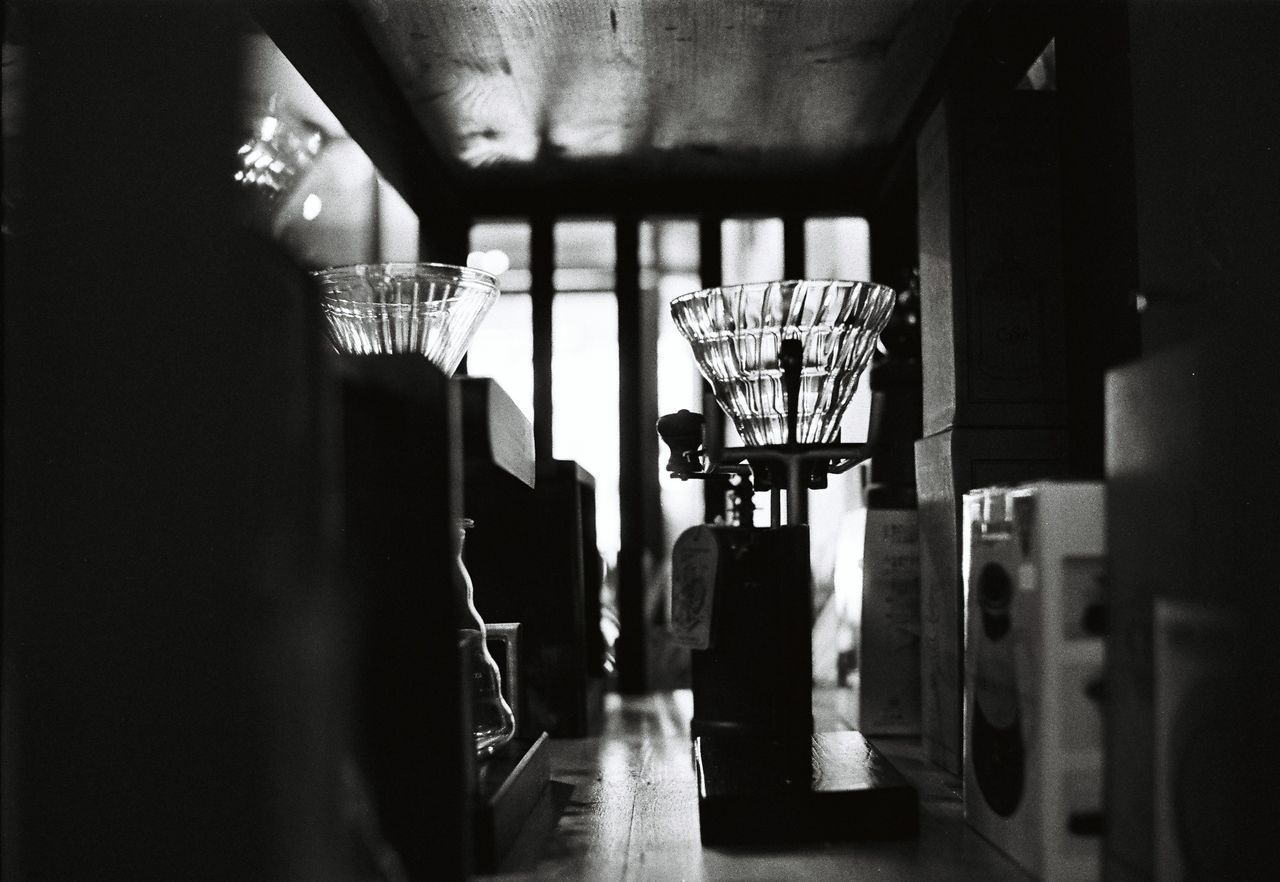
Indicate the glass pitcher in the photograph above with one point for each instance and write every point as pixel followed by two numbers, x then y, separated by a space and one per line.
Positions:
pixel 491 717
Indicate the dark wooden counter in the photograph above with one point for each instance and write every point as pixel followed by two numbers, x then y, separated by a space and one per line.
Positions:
pixel 628 810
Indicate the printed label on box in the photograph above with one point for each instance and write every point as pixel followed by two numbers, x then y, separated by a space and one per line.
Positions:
pixel 889 692
pixel 693 585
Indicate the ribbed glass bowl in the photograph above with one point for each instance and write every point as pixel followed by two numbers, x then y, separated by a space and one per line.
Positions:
pixel 432 309
pixel 736 332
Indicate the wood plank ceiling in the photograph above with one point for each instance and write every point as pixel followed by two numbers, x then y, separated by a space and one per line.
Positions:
pixel 660 101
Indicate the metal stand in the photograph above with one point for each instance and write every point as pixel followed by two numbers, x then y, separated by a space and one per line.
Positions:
pixel 794 467
pixel 763 775
pixel 829 786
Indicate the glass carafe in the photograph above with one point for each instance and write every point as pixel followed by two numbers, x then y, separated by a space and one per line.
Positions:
pixel 491 717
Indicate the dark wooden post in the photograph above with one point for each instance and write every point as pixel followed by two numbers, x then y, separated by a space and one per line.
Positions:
pixel 638 455
pixel 793 246
pixel 1099 227
pixel 541 292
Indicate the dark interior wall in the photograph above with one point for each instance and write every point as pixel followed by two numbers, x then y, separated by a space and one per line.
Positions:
pixel 1099 225
pixel 1191 429
pixel 180 648
pixel 1205 137
pixel 161 511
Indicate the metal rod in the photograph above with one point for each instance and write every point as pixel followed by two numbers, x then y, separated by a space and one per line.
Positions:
pixel 797 493
pixel 710 275
pixel 791 356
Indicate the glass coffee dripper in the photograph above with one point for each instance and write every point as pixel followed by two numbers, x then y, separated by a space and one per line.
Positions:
pixel 434 310
pixel 783 360
pixel 737 334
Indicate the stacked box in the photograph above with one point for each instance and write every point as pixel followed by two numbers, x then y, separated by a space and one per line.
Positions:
pixel 993 346
pixel 947 466
pixel 1034 565
pixel 991 272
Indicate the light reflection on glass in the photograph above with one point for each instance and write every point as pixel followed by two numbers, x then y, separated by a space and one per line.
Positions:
pixel 279 150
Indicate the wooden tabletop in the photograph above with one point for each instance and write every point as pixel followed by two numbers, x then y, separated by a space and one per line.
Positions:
pixel 628 810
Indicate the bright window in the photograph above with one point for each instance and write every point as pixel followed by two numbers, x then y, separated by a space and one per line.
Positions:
pixel 503 346
pixel 669 268
pixel 584 366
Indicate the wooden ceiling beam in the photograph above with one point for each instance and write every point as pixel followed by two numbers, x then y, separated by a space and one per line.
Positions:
pixel 993 44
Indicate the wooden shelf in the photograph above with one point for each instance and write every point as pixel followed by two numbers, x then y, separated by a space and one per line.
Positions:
pixel 636 814
pixel 514 799
pixel 495 433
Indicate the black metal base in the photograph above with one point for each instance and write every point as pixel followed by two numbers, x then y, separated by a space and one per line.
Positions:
pixel 755 790
pixel 513 793
pixel 757 672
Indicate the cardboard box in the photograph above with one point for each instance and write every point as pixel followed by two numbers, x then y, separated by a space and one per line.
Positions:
pixel 991 276
pixel 947 466
pixel 533 557
pixel 1034 586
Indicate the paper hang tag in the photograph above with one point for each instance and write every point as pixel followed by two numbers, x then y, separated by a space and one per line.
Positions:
pixel 1027 578
pixel 693 584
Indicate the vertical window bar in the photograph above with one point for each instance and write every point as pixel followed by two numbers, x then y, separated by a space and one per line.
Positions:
pixel 441 241
pixel 444 241
pixel 711 271
pixel 637 361
pixel 892 233
pixel 793 250
pixel 462 369
pixel 375 212
pixel 541 291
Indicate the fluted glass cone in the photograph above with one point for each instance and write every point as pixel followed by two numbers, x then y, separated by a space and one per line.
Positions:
pixel 429 308
pixel 736 332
